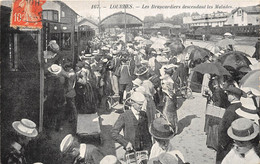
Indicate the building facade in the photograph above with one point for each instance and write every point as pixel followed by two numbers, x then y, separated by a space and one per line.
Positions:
pixel 212 20
pixel 244 16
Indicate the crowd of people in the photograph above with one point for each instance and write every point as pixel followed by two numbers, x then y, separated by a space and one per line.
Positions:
pixel 147 80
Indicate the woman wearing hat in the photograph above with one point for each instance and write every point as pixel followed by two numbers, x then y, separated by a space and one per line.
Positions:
pixel 243 132
pixel 143 75
pixel 25 130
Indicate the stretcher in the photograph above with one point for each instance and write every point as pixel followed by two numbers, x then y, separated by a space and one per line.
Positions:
pixel 88 127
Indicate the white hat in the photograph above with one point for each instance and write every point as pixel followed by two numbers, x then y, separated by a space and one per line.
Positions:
pixel 25 127
pixel 138 97
pixel 66 143
pixel 227 34
pixel 109 159
pixel 137 82
pixel 248 109
pixel 55 69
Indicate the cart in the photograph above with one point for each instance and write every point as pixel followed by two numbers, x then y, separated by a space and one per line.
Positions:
pixel 88 127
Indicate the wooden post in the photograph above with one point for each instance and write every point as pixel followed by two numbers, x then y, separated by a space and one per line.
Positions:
pixel 40 58
pixel 16 55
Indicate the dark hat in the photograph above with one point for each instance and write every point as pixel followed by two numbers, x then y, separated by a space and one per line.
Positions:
pixel 141 71
pixel 234 90
pixel 243 129
pixel 161 129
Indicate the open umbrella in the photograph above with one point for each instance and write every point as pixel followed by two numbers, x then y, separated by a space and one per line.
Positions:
pixel 199 53
pixel 251 82
pixel 249 50
pixel 211 68
pixel 234 59
pixel 176 47
pixel 213 48
pixel 224 43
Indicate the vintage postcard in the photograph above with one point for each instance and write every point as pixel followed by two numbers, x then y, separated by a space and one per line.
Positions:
pixel 120 81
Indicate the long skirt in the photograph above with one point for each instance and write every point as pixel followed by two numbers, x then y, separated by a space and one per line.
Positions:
pixel 170 111
pixel 150 109
pixel 211 129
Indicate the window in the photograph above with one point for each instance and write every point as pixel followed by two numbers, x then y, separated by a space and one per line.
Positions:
pixel 50 15
pixel 239 12
pixel 62 14
pixel 66 41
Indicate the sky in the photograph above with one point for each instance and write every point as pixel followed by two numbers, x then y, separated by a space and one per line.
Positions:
pixel 86 8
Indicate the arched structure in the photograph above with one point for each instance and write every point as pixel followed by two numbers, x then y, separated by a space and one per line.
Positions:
pixel 119 19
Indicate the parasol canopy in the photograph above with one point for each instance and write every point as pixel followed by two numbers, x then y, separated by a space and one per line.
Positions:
pixel 250 82
pixel 199 53
pixel 224 43
pixel 213 48
pixel 211 68
pixel 234 59
pixel 139 38
pixel 176 47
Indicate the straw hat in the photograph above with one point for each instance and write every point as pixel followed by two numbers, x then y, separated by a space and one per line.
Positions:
pixel 248 109
pixel 161 129
pixel 55 69
pixel 243 129
pixel 109 159
pixel 66 143
pixel 227 34
pixel 25 127
pixel 138 97
pixel 141 71
pixel 137 82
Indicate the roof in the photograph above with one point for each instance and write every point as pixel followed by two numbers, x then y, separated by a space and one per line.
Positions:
pixel 62 3
pixel 86 20
pixel 118 19
pixel 161 25
pixel 249 9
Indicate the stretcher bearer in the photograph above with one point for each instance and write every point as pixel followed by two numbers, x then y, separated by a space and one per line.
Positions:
pixel 83 153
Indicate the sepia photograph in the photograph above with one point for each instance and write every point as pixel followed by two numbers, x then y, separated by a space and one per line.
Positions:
pixel 130 81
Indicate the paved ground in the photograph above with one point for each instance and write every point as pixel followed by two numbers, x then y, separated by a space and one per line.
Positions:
pixel 191 140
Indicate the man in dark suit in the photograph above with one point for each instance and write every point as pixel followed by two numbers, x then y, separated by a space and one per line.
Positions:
pixel 135 125
pixel 225 142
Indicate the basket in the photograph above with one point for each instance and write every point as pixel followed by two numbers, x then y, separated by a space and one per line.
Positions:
pixel 137 157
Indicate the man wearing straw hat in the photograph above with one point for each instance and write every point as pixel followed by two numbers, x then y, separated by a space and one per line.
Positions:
pixel 135 126
pixel 25 130
pixel 243 132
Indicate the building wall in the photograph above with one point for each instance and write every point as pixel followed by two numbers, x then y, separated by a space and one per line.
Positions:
pixel 240 20
pixel 69 17
pixel 49 5
pixel 253 19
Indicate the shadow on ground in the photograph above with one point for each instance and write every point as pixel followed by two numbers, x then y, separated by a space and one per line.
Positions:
pixel 185 122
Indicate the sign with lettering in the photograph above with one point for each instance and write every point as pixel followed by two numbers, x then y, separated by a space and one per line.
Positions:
pixel 27 13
